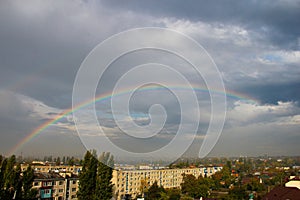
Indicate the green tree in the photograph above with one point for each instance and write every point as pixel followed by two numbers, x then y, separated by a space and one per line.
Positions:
pixel 10 178
pixel 144 186
pixel 154 192
pixel 104 186
pixel 228 164
pixel 58 162
pixel 71 161
pixel 174 194
pixel 223 178
pixel 237 193
pixel 17 182
pixel 2 180
pixel 193 187
pixel 87 177
pixel 188 185
pixel 255 185
pixel 186 198
pixel 95 177
pixel 28 178
pixel 10 181
pixel 64 160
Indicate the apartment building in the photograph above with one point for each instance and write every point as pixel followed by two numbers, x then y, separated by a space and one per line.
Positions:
pixel 129 182
pixel 56 186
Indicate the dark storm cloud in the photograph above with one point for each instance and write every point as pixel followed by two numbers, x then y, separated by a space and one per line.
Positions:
pixel 279 20
pixel 272 93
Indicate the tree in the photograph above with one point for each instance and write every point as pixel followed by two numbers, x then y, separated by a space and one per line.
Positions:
pixel 12 184
pixel 28 178
pixel 144 186
pixel 95 177
pixel 228 164
pixel 57 162
pixel 193 187
pixel 2 180
pixel 10 181
pixel 64 160
pixel 17 182
pixel 104 186
pixel 255 185
pixel 10 178
pixel 223 177
pixel 174 194
pixel 87 177
pixel 71 161
pixel 186 198
pixel 154 192
pixel 237 193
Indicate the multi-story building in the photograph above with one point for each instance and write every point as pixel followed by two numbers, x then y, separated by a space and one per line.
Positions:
pixel 49 185
pixel 55 186
pixel 129 182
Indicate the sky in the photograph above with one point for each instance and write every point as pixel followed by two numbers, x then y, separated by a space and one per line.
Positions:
pixel 254 44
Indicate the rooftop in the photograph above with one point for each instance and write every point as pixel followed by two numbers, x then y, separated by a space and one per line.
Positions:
pixel 280 193
pixel 47 176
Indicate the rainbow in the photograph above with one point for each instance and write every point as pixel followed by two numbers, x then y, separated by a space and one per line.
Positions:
pixel 107 96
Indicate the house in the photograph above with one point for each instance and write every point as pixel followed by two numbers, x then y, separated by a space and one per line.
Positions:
pixel 283 193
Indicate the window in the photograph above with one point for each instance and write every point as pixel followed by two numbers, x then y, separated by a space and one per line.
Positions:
pixel 60 190
pixel 36 184
pixel 44 183
pixel 47 191
pixel 73 189
pixel 74 182
pixel 60 182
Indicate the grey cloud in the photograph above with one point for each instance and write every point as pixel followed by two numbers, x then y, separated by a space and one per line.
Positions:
pixel 276 19
pixel 272 93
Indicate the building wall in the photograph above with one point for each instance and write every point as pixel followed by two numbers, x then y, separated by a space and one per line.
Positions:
pixel 58 189
pixel 73 188
pixel 130 181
